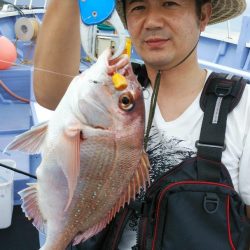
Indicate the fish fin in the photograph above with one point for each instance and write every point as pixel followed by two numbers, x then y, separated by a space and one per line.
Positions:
pixel 30 206
pixel 140 178
pixel 70 158
pixel 30 141
pixel 81 237
pixel 145 166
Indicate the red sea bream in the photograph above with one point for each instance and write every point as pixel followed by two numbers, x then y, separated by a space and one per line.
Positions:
pixel 92 157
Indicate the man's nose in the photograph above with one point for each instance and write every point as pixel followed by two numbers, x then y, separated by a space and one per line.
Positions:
pixel 154 19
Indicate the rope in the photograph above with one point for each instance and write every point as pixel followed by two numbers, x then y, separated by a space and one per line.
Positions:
pixel 14 6
pixel 12 93
pixel 152 107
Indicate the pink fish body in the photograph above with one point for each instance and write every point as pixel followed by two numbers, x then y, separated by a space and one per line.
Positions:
pixel 92 158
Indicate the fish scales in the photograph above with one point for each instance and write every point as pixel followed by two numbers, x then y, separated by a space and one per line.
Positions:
pixel 109 172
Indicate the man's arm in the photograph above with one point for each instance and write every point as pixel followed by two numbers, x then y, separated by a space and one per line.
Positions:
pixel 57 50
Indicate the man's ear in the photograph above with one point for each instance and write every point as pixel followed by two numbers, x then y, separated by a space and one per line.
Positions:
pixel 206 12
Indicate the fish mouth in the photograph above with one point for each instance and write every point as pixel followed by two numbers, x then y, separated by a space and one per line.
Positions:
pixel 99 127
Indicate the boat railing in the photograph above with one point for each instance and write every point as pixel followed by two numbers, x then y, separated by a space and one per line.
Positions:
pixel 28 4
pixel 31 3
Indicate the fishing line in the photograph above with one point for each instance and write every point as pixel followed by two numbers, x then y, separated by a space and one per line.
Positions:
pixel 185 58
pixel 152 107
pixel 38 69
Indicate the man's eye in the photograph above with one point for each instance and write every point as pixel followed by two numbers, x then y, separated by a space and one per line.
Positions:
pixel 169 4
pixel 138 7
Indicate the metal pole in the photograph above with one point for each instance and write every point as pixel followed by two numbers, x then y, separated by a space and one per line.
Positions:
pixel 228 30
pixel 30 5
pixel 18 171
pixel 45 4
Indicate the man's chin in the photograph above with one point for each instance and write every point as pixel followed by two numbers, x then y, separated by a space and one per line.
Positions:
pixel 159 64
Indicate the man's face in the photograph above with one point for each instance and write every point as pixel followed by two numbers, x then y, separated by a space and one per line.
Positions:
pixel 164 31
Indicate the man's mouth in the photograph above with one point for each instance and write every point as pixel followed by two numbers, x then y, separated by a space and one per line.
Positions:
pixel 156 42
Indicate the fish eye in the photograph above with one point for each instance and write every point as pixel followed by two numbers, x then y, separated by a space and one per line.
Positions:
pixel 126 101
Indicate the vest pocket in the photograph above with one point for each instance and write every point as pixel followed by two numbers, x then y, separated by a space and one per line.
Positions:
pixel 194 218
pixel 239 224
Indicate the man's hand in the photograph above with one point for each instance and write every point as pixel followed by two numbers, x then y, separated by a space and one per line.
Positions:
pixel 122 65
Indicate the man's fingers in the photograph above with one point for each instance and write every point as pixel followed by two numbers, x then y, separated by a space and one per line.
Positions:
pixel 118 64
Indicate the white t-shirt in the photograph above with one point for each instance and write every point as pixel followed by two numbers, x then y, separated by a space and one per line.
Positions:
pixel 172 142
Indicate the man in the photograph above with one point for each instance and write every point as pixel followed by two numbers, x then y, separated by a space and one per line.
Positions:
pixel 165 34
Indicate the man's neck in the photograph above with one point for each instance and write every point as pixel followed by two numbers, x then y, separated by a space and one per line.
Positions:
pixel 181 77
pixel 178 88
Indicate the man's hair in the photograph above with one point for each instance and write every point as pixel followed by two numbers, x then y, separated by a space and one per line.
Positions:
pixel 198 5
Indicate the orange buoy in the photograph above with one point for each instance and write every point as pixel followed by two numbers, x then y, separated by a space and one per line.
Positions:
pixel 8 53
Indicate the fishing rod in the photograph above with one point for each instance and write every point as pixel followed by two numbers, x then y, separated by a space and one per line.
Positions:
pixel 18 171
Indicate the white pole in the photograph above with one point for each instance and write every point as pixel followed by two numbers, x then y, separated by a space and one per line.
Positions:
pixel 45 4
pixel 228 30
pixel 30 5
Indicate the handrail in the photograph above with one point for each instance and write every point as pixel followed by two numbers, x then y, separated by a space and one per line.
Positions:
pixel 31 3
pixel 222 68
